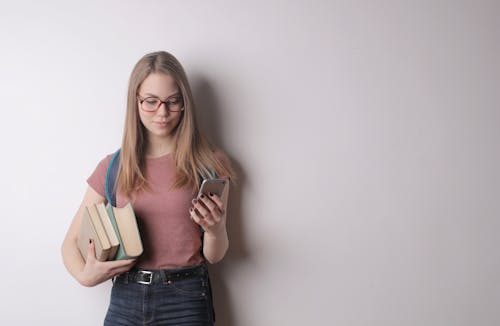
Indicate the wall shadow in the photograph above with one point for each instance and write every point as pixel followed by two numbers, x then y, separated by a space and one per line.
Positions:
pixel 208 114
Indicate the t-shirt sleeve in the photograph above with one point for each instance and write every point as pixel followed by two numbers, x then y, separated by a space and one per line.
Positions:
pixel 96 179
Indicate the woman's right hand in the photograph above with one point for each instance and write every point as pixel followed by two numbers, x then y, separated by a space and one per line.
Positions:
pixel 96 272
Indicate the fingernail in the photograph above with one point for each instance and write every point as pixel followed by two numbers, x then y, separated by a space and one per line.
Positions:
pixel 90 240
pixel 202 196
pixel 211 194
pixel 194 201
pixel 190 209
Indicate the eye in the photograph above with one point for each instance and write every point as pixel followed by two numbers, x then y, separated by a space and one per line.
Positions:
pixel 151 101
pixel 175 101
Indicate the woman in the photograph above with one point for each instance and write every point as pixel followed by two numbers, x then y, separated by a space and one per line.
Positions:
pixel 163 158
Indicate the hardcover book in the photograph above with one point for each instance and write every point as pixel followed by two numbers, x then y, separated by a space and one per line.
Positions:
pixel 125 224
pixel 115 232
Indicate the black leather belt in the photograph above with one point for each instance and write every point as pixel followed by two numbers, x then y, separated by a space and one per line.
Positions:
pixel 156 276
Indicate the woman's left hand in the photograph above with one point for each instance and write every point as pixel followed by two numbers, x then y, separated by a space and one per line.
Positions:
pixel 209 212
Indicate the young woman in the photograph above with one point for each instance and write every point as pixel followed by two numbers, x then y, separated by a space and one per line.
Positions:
pixel 163 159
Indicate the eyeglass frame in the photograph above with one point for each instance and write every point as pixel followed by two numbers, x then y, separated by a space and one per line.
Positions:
pixel 167 104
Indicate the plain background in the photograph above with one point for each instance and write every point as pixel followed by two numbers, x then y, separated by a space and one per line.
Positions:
pixel 365 133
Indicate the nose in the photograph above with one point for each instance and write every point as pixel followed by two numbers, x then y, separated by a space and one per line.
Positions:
pixel 163 109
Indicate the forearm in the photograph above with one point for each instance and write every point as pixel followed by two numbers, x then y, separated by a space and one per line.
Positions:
pixel 72 259
pixel 215 245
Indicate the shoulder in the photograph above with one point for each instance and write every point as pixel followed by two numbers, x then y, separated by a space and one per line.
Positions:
pixel 225 166
pixel 104 162
pixel 221 156
pixel 96 179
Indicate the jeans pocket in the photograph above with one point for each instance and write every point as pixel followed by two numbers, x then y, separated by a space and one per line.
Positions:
pixel 193 287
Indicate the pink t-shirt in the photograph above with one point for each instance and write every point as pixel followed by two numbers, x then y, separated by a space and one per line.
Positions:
pixel 170 238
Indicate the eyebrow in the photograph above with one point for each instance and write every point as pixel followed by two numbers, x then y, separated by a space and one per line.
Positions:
pixel 154 95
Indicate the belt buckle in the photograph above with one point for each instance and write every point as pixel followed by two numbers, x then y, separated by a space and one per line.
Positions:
pixel 149 274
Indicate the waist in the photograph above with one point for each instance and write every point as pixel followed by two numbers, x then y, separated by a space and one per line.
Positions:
pixel 158 276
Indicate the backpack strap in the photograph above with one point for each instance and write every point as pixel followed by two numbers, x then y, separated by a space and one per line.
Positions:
pixel 110 179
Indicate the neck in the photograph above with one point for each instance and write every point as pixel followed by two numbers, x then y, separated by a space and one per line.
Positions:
pixel 159 146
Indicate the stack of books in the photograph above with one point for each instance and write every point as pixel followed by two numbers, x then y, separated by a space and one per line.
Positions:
pixel 113 230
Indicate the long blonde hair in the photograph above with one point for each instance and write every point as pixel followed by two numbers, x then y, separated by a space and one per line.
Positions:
pixel 193 154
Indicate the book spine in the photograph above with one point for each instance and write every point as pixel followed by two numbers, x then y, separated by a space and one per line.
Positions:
pixel 100 253
pixel 109 229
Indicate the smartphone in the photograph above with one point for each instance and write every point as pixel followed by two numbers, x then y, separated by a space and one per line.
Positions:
pixel 215 186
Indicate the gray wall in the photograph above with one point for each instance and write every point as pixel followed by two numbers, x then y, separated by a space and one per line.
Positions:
pixel 365 134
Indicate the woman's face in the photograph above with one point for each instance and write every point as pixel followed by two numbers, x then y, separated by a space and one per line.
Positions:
pixel 162 122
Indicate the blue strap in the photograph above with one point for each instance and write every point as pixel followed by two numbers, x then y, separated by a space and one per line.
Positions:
pixel 110 180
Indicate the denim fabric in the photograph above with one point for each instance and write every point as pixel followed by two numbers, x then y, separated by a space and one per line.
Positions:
pixel 182 302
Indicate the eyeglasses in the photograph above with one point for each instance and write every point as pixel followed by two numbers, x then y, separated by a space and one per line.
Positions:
pixel 151 104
